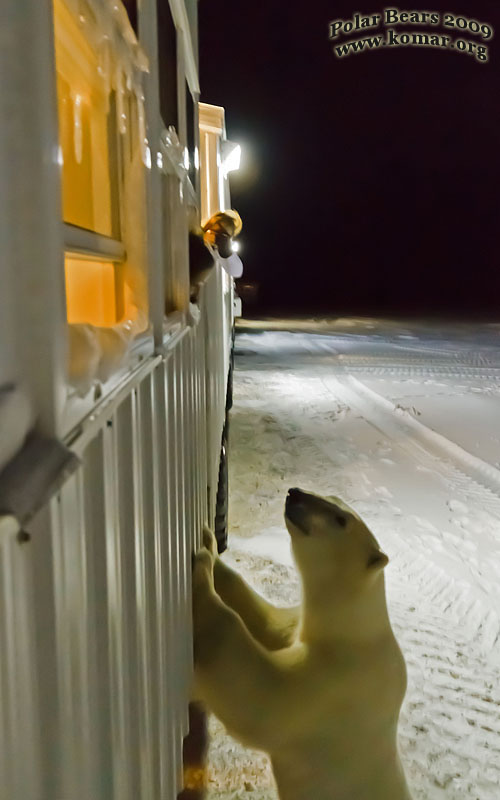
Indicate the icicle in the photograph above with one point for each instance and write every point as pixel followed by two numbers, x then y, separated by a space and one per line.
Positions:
pixel 77 127
pixel 141 121
pixel 129 77
pixel 123 23
pixel 82 19
pixel 104 65
pixel 81 10
pixel 120 100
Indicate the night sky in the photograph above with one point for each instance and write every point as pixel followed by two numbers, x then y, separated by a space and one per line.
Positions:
pixel 372 181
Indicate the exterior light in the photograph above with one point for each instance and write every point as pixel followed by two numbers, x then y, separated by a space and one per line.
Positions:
pixel 230 156
pixel 235 246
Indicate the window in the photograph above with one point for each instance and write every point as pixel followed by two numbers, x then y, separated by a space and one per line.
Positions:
pixel 167 65
pixel 103 151
pixel 94 292
pixel 83 127
pixel 191 137
pixel 131 9
pixel 212 183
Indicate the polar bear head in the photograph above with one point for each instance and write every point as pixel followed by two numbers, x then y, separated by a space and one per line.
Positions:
pixel 331 544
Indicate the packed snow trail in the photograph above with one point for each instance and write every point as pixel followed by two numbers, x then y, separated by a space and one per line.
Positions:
pixel 301 419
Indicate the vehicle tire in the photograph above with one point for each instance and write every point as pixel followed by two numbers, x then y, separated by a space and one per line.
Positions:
pixel 229 392
pixel 222 502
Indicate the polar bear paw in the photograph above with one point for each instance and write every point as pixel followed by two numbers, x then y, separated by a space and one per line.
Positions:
pixel 203 571
pixel 209 540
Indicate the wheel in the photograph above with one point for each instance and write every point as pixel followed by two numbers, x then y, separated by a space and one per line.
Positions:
pixel 221 505
pixel 229 392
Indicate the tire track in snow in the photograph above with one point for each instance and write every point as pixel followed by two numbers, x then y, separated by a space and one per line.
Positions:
pixel 423 370
pixel 482 488
pixel 383 413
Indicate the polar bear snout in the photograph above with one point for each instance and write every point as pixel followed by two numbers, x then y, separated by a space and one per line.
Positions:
pixel 309 512
pixel 296 510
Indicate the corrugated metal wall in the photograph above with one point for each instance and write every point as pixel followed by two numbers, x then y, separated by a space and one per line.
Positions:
pixel 95 609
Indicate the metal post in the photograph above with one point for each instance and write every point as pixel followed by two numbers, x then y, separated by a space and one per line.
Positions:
pixel 148 37
pixel 31 254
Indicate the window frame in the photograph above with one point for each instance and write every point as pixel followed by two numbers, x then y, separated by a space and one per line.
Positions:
pixel 81 242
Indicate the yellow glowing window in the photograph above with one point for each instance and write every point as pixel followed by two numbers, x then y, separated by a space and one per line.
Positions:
pixel 84 123
pixel 103 152
pixel 94 292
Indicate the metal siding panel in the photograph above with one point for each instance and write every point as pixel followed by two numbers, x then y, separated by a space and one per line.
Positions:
pixel 98 607
pixel 147 643
pixel 200 440
pixel 215 382
pixel 175 681
pixel 70 581
pixel 19 723
pixel 187 517
pixel 44 620
pixel 127 505
pixel 120 724
pixel 165 602
pixel 202 420
pixel 181 530
pixel 194 439
pixel 190 502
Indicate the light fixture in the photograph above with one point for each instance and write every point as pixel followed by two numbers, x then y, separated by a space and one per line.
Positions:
pixel 230 156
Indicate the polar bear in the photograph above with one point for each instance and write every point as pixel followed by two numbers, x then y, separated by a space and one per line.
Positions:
pixel 319 688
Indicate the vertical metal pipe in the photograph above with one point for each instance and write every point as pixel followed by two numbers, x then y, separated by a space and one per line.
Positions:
pixel 30 205
pixel 148 37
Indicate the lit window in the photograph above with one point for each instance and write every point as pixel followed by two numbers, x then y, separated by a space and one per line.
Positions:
pixel 103 151
pixel 94 292
pixel 83 127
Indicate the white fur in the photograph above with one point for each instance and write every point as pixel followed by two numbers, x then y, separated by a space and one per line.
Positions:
pixel 320 687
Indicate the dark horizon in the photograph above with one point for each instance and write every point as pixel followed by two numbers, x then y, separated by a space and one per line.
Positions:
pixel 372 182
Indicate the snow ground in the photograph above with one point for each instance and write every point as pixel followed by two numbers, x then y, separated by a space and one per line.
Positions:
pixel 402 423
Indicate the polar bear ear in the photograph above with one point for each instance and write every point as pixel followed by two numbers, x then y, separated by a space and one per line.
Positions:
pixel 378 560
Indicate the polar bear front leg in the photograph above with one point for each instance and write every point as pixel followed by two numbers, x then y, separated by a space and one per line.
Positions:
pixel 273 627
pixel 234 675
